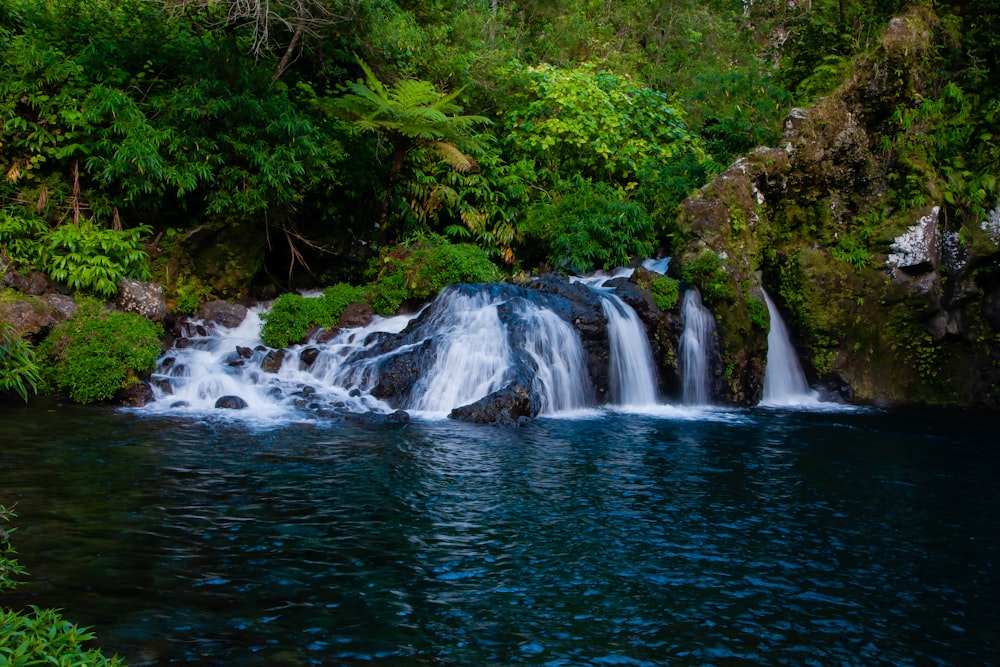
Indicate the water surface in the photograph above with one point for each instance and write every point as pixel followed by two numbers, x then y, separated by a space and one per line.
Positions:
pixel 761 537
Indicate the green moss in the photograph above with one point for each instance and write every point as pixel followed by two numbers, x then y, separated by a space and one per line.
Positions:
pixel 708 273
pixel 666 292
pixel 94 354
pixel 292 316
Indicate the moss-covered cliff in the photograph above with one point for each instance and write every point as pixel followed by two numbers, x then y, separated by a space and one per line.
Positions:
pixel 859 224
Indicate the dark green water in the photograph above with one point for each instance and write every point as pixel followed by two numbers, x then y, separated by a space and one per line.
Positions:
pixel 737 538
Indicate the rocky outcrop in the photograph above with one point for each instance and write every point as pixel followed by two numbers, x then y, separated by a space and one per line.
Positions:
pixel 143 298
pixel 888 300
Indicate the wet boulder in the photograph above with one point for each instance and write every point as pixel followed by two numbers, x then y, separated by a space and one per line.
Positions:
pixel 272 361
pixel 231 403
pixel 223 313
pixel 510 405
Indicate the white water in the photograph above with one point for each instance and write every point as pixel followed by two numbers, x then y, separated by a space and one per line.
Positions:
pixel 633 378
pixel 784 381
pixel 473 343
pixel 633 374
pixel 560 370
pixel 694 349
pixel 473 358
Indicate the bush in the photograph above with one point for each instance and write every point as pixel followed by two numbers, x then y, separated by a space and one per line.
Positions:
pixel 93 355
pixel 94 260
pixel 421 268
pixel 758 313
pixel 292 316
pixel 665 292
pixel 18 370
pixel 590 226
pixel 41 637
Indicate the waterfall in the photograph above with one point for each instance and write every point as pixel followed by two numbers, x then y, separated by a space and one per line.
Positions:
pixel 473 357
pixel 694 350
pixel 784 381
pixel 633 374
pixel 560 370
pixel 633 379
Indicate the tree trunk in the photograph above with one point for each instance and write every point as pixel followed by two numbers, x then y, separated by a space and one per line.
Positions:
pixel 400 148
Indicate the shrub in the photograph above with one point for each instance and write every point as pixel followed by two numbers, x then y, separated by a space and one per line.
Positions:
pixel 93 355
pixel 94 260
pixel 18 370
pixel 421 268
pixel 758 313
pixel 43 636
pixel 19 237
pixel 665 292
pixel 590 226
pixel 292 316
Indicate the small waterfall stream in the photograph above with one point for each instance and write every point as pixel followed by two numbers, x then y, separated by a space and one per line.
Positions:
pixel 784 381
pixel 694 350
pixel 633 378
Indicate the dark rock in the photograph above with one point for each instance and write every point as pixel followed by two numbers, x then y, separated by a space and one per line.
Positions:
pixel 143 298
pixel 135 396
pixel 357 314
pixel 35 283
pixel 229 315
pixel 182 343
pixel 991 308
pixel 509 405
pixel 231 403
pixel 180 404
pixel 308 357
pixel 244 352
pixel 272 361
pixel 30 318
pixel 326 335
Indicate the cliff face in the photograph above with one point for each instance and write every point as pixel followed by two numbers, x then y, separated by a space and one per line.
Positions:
pixel 844 225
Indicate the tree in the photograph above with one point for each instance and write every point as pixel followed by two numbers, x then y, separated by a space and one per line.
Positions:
pixel 408 114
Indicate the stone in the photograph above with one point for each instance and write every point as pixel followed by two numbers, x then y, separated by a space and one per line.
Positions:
pixel 510 405
pixel 35 283
pixel 223 313
pixel 135 396
pixel 29 318
pixel 917 251
pixel 272 361
pixel 308 357
pixel 231 403
pixel 64 305
pixel 143 298
pixel 355 315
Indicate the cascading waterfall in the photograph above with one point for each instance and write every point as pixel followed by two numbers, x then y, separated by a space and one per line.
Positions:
pixel 784 381
pixel 633 379
pixel 633 374
pixel 694 349
pixel 557 356
pixel 500 345
pixel 473 357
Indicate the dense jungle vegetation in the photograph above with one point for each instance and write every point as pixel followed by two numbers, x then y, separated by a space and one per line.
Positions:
pixel 224 145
